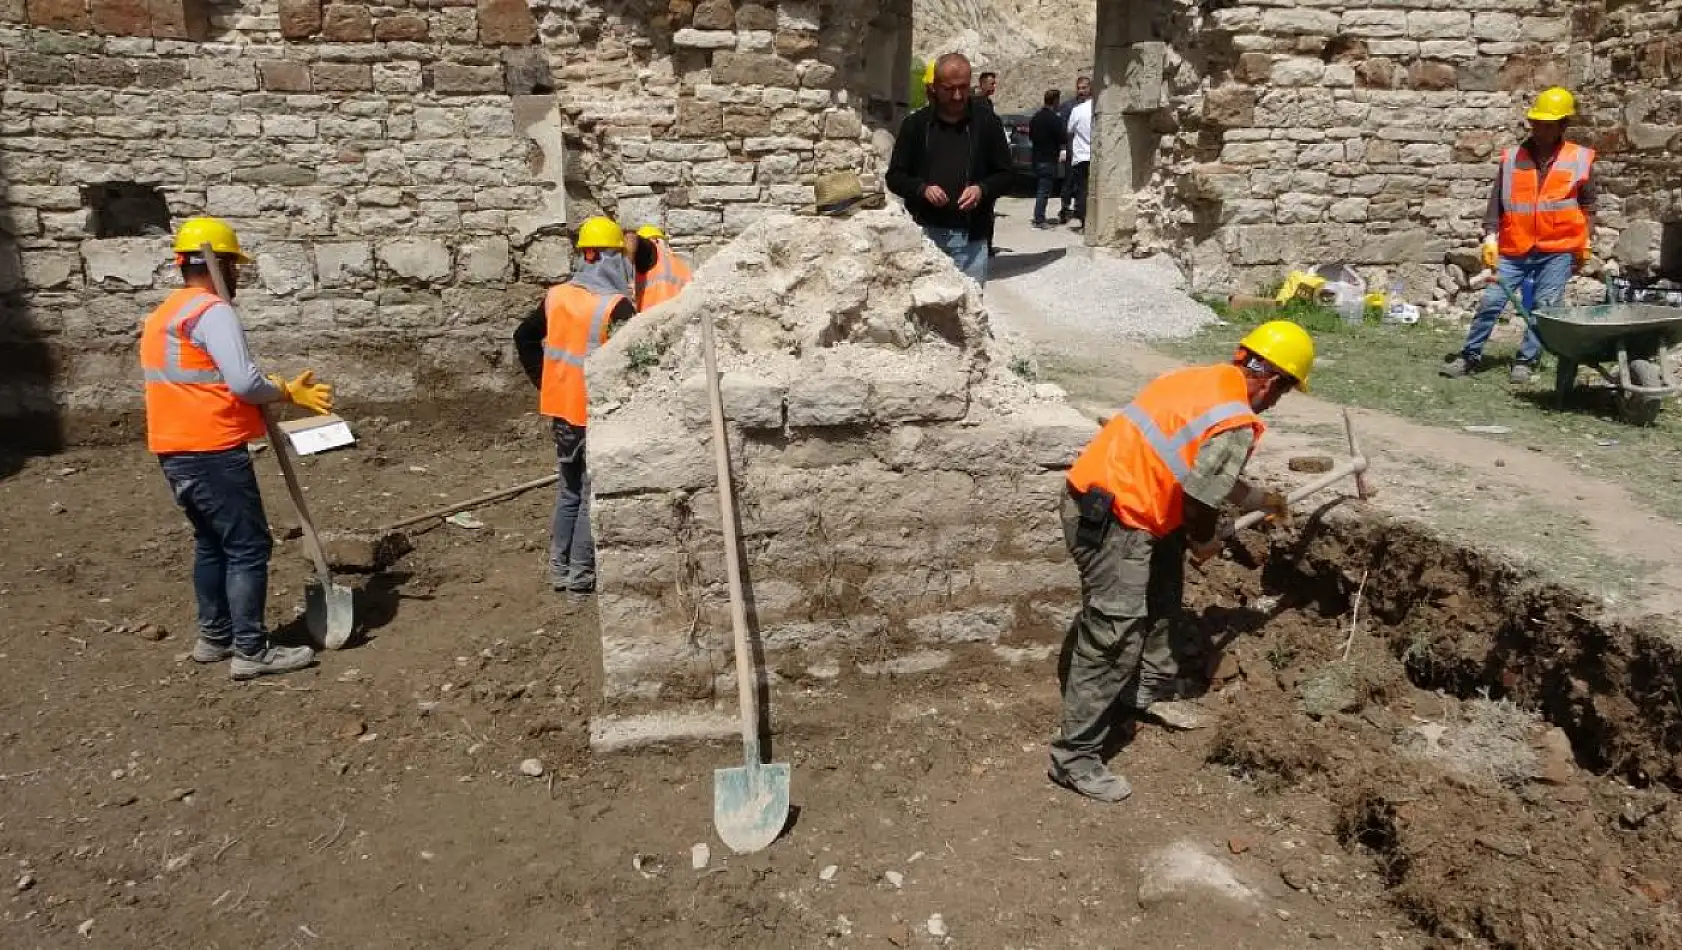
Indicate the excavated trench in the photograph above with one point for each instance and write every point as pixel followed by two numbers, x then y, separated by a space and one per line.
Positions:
pixel 1508 760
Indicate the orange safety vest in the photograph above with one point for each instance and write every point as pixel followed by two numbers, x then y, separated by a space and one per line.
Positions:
pixel 189 408
pixel 1144 454
pixel 665 280
pixel 1544 216
pixel 577 323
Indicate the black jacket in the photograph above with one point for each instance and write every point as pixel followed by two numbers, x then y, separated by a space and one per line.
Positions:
pixel 990 165
pixel 1047 131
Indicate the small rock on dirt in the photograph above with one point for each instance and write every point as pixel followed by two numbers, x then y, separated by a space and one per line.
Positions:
pixel 531 767
pixel 894 879
pixel 1227 669
pixel 1556 763
pixel 699 855
pixel 900 934
pixel 937 926
pixel 1238 844
pixel 1635 814
pixel 1578 795
pixel 352 728
pixel 181 794
pixel 1653 889
pixel 1310 464
pixel 57 508
pixel 363 553
pixel 828 873
pixel 1183 873
pixel 85 929
pixel 26 881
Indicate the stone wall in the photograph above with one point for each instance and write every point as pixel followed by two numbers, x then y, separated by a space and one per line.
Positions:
pixel 897 486
pixel 1260 135
pixel 403 172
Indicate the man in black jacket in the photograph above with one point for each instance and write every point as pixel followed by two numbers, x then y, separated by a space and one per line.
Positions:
pixel 951 162
pixel 1046 136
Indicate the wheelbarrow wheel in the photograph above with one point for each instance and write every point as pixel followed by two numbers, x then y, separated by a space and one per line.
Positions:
pixel 1641 409
pixel 1565 381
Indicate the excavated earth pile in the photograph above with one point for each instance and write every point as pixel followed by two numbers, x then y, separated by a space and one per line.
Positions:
pixel 897 484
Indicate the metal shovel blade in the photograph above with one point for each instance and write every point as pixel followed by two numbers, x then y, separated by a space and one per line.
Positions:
pixel 750 805
pixel 329 613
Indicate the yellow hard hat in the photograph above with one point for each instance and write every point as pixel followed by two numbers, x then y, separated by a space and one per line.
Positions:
pixel 600 232
pixel 1285 345
pixel 651 232
pixel 195 233
pixel 1552 105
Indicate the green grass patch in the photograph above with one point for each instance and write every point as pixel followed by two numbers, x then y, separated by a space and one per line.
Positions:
pixel 1394 368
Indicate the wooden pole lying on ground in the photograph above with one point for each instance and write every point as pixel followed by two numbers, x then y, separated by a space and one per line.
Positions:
pixel 451 509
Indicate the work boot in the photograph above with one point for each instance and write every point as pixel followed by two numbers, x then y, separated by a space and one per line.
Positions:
pixel 1178 715
pixel 1520 373
pixel 207 651
pixel 1100 784
pixel 1458 367
pixel 271 661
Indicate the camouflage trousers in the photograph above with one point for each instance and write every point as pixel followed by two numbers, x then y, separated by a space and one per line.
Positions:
pixel 1120 648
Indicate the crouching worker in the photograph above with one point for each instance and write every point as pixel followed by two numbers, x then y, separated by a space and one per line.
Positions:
pixel 553 344
pixel 203 399
pixel 1149 485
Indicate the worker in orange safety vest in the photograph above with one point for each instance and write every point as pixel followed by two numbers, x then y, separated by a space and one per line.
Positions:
pixel 553 345
pixel 1152 482
pixel 661 274
pixel 203 399
pixel 1538 227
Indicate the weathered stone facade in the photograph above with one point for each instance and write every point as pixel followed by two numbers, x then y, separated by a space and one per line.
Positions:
pixel 1258 135
pixel 896 485
pixel 403 172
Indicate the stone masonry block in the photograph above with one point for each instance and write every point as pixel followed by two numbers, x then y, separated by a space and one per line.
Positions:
pixel 828 400
pixel 696 119
pixel 704 39
pixel 284 75
pixel 346 23
pixel 484 260
pixel 713 15
pixel 71 15
pixel 341 77
pixel 624 461
pixel 754 16
pixel 181 19
pixel 976 625
pixel 750 401
pixel 940 397
pixel 1299 20
pixel 284 269
pixel 1381 23
pixel 407 29
pixel 1439 24
pixel 506 23
pixel 130 262
pixel 343 265
pixel 122 18
pixel 458 79
pixel 417 259
pixel 14 11
pixel 754 69
pixel 300 19
pixel 1497 27
pixel 212 75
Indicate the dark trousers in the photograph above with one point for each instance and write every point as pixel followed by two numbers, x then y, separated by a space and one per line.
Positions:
pixel 1078 173
pixel 1045 179
pixel 231 540
pixel 1067 195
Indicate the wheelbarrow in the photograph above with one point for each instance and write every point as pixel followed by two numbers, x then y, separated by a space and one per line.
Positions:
pixel 1633 338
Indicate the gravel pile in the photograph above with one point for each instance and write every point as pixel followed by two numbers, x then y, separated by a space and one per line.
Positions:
pixel 1131 298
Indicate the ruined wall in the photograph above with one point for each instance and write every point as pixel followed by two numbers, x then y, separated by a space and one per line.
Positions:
pixel 1253 136
pixel 403 172
pixel 897 486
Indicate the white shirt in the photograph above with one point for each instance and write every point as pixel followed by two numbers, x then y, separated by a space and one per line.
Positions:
pixel 1080 133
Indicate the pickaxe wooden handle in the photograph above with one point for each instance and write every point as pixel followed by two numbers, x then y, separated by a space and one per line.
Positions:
pixel 1355 466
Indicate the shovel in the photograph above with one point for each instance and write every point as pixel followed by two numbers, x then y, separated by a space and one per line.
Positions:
pixel 750 804
pixel 329 608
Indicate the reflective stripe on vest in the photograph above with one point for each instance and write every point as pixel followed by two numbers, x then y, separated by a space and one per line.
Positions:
pixel 666 280
pixel 1144 455
pixel 1540 212
pixel 1170 448
pixel 577 321
pixel 189 406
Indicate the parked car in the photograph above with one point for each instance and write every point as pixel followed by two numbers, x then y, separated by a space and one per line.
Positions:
pixel 1022 150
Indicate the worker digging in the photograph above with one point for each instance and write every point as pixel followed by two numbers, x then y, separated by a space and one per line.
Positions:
pixel 204 399
pixel 1149 488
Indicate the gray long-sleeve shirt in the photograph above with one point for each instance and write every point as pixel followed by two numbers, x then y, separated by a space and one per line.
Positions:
pixel 218 331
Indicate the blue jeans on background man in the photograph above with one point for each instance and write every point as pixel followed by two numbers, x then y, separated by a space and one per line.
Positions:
pixel 572 549
pixel 218 492
pixel 1045 179
pixel 970 256
pixel 1545 275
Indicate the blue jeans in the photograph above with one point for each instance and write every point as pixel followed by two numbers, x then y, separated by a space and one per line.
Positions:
pixel 970 256
pixel 1539 280
pixel 572 549
pixel 218 492
pixel 1045 179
